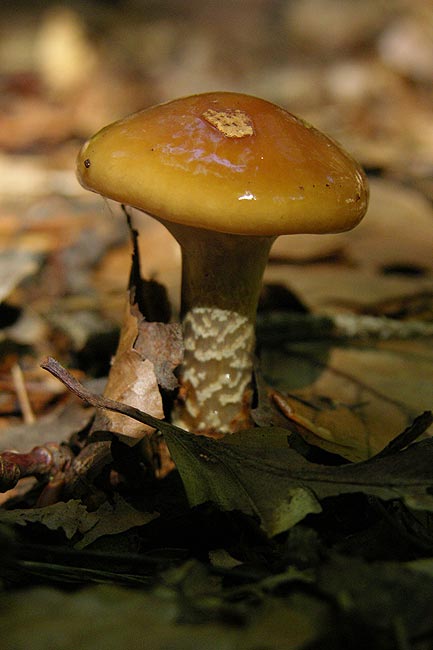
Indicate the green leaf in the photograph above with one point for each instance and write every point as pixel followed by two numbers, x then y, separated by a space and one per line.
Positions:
pixel 256 471
pixel 231 474
pixel 112 519
pixel 72 517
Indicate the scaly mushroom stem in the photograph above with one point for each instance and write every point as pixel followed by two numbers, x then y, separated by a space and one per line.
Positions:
pixel 221 280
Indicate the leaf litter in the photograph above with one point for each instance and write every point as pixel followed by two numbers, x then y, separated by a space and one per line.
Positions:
pixel 264 474
pixel 348 574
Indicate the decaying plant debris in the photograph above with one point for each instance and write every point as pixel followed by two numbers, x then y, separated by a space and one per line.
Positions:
pixel 312 529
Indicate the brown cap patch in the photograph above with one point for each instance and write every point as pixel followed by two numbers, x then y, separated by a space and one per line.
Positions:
pixel 231 123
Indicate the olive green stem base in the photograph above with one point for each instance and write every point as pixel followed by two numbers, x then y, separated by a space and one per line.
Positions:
pixel 221 282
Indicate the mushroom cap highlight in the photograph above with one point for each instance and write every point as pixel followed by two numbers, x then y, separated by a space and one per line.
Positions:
pixel 227 162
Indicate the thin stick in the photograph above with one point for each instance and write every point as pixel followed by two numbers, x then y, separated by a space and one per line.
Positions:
pixel 412 432
pixel 22 394
pixel 98 401
pixel 273 327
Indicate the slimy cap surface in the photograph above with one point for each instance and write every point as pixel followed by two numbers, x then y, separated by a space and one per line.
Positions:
pixel 227 162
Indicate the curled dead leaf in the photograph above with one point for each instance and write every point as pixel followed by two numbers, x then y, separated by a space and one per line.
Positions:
pixel 132 380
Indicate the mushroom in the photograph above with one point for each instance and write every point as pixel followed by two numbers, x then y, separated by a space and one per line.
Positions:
pixel 226 173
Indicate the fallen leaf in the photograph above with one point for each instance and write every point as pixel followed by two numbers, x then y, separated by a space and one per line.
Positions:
pixel 114 518
pixel 358 395
pixel 162 345
pixel 147 353
pixel 58 426
pixel 71 517
pixel 15 266
pixel 348 390
pixel 131 380
pixel 257 472
pixel 395 233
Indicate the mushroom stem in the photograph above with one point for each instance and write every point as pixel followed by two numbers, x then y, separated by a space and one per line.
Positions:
pixel 221 280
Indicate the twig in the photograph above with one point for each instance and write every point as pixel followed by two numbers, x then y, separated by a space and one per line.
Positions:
pixel 9 474
pixel 409 435
pixel 419 426
pixel 381 328
pixel 276 327
pixel 40 461
pixel 22 394
pixel 58 371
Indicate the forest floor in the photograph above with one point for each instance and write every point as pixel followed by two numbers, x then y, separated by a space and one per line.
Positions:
pixel 318 532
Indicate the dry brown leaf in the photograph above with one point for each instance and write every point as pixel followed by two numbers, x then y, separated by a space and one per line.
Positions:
pixel 34 121
pixel 353 400
pixel 397 232
pixel 58 426
pixel 132 380
pixel 398 229
pixel 148 351
pixel 15 266
pixel 162 345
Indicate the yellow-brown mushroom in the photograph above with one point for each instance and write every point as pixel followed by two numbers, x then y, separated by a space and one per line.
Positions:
pixel 226 173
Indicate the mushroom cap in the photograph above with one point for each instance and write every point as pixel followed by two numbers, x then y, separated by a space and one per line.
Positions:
pixel 227 162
